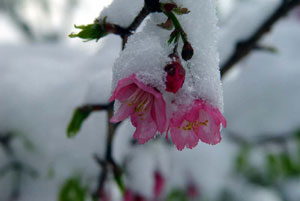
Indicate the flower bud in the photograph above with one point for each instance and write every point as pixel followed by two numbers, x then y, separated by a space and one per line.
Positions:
pixel 175 75
pixel 168 7
pixel 187 51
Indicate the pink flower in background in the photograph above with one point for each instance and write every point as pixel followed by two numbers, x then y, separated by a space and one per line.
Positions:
pixel 130 196
pixel 298 12
pixel 175 75
pixel 144 104
pixel 192 191
pixel 159 184
pixel 199 121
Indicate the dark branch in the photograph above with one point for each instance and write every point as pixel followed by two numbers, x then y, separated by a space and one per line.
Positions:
pixel 243 48
pixel 138 19
pixel 5 142
pixel 108 162
pixel 135 24
pixel 281 138
pixel 96 107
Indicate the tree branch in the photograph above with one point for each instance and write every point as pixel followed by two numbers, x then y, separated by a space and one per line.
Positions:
pixel 109 163
pixel 243 48
pixel 281 138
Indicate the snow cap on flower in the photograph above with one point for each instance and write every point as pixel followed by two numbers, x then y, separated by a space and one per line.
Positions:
pixel 147 53
pixel 202 75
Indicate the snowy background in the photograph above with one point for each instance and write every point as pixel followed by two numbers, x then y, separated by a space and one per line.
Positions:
pixel 44 75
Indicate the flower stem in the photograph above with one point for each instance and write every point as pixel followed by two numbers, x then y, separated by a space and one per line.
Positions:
pixel 177 24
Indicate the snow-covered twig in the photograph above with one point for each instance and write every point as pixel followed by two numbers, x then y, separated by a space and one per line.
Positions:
pixel 243 48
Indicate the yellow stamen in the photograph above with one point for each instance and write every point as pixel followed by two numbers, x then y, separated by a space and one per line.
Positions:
pixel 193 125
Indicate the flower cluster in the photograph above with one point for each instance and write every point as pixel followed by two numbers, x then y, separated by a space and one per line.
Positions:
pixel 146 107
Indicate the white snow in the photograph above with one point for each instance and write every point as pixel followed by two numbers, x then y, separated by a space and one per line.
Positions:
pixel 122 12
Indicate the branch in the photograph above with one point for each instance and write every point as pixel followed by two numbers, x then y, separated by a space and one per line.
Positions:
pixel 243 48
pixel 96 107
pixel 135 24
pixel 14 165
pixel 109 163
pixel 281 138
pixel 5 142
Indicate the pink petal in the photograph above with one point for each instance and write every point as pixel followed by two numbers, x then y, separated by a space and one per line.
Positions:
pixel 123 112
pixel 177 117
pixel 128 196
pixel 183 138
pixel 192 114
pixel 158 112
pixel 214 113
pixel 145 127
pixel 124 93
pixel 158 184
pixel 146 88
pixel 210 133
pixel 121 84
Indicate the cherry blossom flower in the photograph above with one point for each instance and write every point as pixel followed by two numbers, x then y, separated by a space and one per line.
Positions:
pixel 144 104
pixel 175 74
pixel 130 196
pixel 159 184
pixel 199 121
pixel 192 191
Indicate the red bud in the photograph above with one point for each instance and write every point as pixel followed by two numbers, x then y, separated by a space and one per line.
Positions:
pixel 175 75
pixel 169 7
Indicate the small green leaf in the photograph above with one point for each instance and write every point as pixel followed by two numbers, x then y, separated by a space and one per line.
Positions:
pixel 174 36
pixel 120 182
pixel 72 190
pixel 89 32
pixel 272 166
pixel 177 195
pixel 75 124
pixel 287 164
pixel 242 159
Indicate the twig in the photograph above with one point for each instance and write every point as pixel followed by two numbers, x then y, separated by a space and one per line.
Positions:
pixel 5 141
pixel 109 163
pixel 261 141
pixel 96 107
pixel 243 48
pixel 15 165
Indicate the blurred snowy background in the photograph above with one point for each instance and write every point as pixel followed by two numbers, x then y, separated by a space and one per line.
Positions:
pixel 44 75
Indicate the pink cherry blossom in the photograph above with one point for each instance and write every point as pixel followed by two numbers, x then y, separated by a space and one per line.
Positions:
pixel 130 196
pixel 159 184
pixel 144 104
pixel 192 191
pixel 197 121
